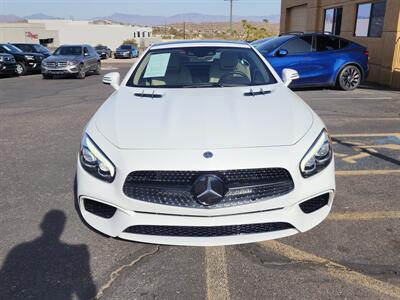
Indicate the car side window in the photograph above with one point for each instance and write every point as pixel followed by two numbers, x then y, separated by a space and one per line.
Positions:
pixel 299 45
pixel 344 43
pixel 327 43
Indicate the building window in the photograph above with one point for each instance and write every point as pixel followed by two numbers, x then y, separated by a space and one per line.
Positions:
pixel 370 18
pixel 138 34
pixel 333 20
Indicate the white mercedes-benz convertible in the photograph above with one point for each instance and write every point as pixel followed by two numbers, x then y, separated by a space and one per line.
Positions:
pixel 203 144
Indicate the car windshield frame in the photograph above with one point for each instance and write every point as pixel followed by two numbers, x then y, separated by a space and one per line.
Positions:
pixel 268 76
pixel 59 49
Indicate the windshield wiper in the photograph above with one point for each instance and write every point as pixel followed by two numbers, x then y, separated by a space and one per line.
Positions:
pixel 201 85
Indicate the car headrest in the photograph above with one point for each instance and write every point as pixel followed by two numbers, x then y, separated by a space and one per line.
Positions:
pixel 228 60
pixel 175 62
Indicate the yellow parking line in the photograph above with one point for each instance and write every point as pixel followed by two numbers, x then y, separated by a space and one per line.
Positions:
pixel 364 215
pixel 334 269
pixel 366 134
pixel 217 274
pixel 366 172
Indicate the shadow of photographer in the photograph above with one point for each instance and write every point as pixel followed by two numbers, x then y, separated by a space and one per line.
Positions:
pixel 47 268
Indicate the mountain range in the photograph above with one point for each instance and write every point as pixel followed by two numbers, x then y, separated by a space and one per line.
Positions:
pixel 154 20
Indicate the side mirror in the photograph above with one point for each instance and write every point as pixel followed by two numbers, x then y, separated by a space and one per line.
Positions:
pixel 112 79
pixel 281 53
pixel 86 54
pixel 288 75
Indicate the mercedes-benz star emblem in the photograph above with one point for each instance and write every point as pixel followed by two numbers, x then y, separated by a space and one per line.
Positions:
pixel 209 189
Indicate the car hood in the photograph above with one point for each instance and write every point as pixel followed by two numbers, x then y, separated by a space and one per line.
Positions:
pixel 203 118
pixel 53 58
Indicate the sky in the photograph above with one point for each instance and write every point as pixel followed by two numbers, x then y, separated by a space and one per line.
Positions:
pixel 85 9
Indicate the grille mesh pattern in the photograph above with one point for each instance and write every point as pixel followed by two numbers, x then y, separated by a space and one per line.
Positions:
pixel 189 231
pixel 314 204
pixel 174 187
pixel 99 209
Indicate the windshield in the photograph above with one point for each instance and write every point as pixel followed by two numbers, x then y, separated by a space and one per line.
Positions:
pixel 40 48
pixel 68 50
pixel 100 47
pixel 126 47
pixel 11 48
pixel 201 67
pixel 272 43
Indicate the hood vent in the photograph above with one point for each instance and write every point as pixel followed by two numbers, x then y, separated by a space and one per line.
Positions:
pixel 143 94
pixel 257 93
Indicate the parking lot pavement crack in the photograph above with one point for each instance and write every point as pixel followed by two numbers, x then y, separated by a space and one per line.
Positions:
pixel 116 273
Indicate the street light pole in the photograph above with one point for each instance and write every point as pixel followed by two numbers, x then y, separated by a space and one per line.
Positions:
pixel 231 15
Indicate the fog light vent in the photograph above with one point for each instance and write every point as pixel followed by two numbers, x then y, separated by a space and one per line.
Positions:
pixel 314 204
pixel 99 209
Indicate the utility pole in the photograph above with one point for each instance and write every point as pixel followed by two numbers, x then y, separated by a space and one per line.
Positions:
pixel 184 30
pixel 231 14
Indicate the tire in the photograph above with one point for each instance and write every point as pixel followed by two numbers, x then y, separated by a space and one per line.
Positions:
pixel 81 72
pixel 47 76
pixel 349 78
pixel 21 69
pixel 130 55
pixel 97 71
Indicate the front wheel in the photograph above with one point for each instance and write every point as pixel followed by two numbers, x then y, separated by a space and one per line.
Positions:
pixel 81 72
pixel 349 78
pixel 21 69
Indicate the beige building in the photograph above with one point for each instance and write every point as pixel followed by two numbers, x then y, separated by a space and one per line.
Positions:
pixel 53 33
pixel 372 23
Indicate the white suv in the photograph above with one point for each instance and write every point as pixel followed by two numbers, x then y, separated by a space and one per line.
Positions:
pixel 203 144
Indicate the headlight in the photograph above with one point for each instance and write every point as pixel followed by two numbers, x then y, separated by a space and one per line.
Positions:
pixel 30 57
pixel 318 156
pixel 73 62
pixel 1 58
pixel 94 161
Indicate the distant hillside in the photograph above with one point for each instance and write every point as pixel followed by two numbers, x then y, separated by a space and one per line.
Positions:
pixel 9 18
pixel 40 16
pixel 179 18
pixel 194 18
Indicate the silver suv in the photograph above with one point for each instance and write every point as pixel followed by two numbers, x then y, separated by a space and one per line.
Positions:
pixel 76 60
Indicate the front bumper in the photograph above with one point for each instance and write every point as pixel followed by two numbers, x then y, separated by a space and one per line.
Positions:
pixel 60 71
pixel 130 212
pixel 8 68
pixel 122 55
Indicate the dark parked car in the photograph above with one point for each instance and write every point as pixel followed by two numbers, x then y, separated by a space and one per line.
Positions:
pixel 8 65
pixel 126 51
pixel 103 51
pixel 33 48
pixel 76 60
pixel 320 59
pixel 26 61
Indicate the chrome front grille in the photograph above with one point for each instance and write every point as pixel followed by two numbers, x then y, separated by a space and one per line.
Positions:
pixel 60 64
pixel 174 188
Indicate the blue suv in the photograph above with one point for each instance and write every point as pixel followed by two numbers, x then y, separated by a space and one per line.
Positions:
pixel 126 51
pixel 320 59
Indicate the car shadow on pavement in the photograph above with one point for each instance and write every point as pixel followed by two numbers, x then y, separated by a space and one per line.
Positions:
pixel 47 268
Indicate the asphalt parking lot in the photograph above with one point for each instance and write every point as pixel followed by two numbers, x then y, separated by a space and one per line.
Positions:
pixel 46 252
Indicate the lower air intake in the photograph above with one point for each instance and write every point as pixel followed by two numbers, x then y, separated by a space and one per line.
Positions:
pixel 99 209
pixel 314 204
pixel 199 231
